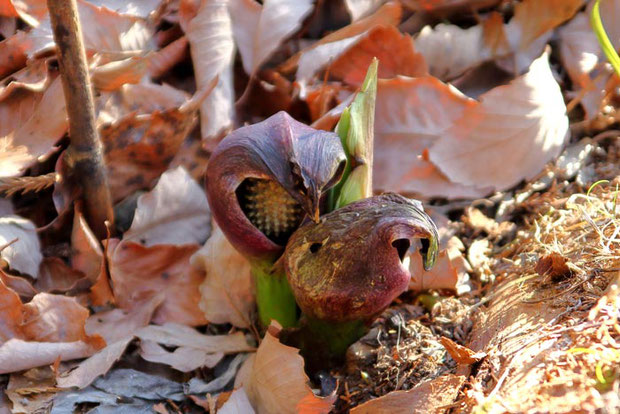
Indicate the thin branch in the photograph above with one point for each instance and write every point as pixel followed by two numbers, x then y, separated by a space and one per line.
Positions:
pixel 84 156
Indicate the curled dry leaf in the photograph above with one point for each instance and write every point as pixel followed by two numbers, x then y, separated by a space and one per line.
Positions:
pixel 450 270
pixel 184 359
pixel 19 245
pixel 175 212
pixel 10 313
pixel 278 383
pixel 99 364
pixel 448 5
pixel 360 8
pixel 461 354
pixel 53 318
pixel 40 332
pixel 193 350
pixel 212 26
pixel 468 148
pixel 103 30
pixel 139 147
pixel 227 293
pixel 138 272
pixel 259 29
pixel 349 58
pixel 117 327
pixel 55 276
pixel 450 50
pixel 137 8
pixel 509 135
pixel 411 115
pixel 30 124
pixel 237 403
pixel 427 397
pixel 388 15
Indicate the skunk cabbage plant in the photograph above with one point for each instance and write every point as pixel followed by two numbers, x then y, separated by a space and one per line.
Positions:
pixel 348 267
pixel 262 180
pixel 281 184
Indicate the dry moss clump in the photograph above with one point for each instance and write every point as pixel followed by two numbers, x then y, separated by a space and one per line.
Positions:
pixel 551 330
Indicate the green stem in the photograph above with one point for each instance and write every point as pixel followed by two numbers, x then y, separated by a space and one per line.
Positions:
pixel 601 35
pixel 322 344
pixel 274 297
pixel 335 337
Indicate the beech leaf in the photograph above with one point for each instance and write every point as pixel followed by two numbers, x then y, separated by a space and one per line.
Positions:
pixel 259 29
pixel 227 293
pixel 509 135
pixel 277 382
pixel 19 244
pixel 175 212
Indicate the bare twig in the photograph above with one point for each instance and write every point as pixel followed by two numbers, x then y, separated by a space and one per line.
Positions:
pixel 84 156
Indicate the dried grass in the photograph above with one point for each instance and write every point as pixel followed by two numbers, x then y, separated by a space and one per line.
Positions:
pixel 555 346
pixel 13 185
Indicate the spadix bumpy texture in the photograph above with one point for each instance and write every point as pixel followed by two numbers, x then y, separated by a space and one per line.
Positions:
pixel 270 208
pixel 263 178
pixel 347 267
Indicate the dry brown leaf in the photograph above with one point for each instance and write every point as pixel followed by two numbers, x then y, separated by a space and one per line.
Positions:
pixel 361 8
pixel 139 148
pixel 17 354
pixel 98 364
pixel 193 351
pixel 19 285
pixel 174 334
pixel 13 53
pixel 448 5
pixel 35 77
pixel 449 270
pixel 450 50
pixel 175 212
pixel 227 293
pixel 56 276
pixel 117 327
pixel 137 8
pixel 427 397
pixel 53 318
pixel 30 125
pixel 103 30
pixel 583 58
pixel 31 391
pixel 278 383
pixel 411 114
pixel 349 59
pixel 31 11
pixel 388 15
pixel 461 354
pixel 212 26
pixel 10 313
pixel 86 253
pixel 394 50
pixel 40 332
pixel 554 266
pixel 161 61
pixel 116 324
pixel 138 271
pixel 260 28
pixel 19 245
pixel 237 403
pixel 184 359
pixel 112 75
pixel 509 135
